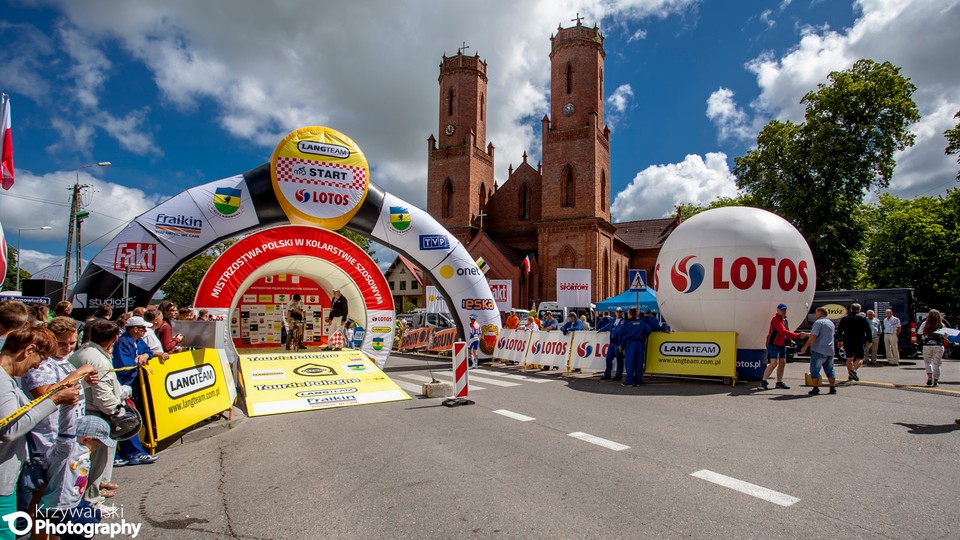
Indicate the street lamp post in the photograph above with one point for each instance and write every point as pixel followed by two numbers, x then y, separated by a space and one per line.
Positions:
pixel 74 206
pixel 44 228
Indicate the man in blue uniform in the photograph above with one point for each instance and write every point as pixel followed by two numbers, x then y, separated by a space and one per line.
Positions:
pixel 633 336
pixel 613 351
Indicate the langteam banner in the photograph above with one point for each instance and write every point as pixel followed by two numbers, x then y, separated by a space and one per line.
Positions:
pixel 706 354
pixel 186 389
pixel 512 346
pixel 548 349
pixel 574 287
pixel 282 383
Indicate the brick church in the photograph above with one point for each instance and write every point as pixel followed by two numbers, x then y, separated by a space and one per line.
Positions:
pixel 556 211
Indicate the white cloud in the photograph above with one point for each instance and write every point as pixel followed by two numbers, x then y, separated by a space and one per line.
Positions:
pixel 656 190
pixel 732 121
pixel 44 200
pixel 89 67
pixel 618 103
pixel 129 131
pixel 638 35
pixel 918 35
pixel 765 17
pixel 271 68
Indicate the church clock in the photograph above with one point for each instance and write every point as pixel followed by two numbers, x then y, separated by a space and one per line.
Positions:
pixel 449 129
pixel 568 109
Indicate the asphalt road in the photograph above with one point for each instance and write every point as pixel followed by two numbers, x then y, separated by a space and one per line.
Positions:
pixel 870 462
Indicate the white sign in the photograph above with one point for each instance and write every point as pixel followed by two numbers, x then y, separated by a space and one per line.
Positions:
pixel 589 350
pixel 512 346
pixel 574 287
pixel 638 280
pixel 502 290
pixel 436 303
pixel 548 349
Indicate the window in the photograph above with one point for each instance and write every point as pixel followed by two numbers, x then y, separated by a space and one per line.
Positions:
pixel 481 106
pixel 605 282
pixel 403 285
pixel 567 191
pixel 569 78
pixel 483 197
pixel 603 190
pixel 446 199
pixel 414 285
pixel 392 286
pixel 568 258
pixel 450 102
pixel 524 203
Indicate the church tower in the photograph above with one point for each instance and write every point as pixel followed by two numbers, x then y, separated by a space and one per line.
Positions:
pixel 460 164
pixel 575 231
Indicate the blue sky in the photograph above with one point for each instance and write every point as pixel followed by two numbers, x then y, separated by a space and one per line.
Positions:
pixel 179 93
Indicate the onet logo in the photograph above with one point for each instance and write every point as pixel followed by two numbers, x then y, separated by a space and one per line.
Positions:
pixel 684 279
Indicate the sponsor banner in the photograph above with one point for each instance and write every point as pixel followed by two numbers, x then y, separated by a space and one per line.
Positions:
pixel 442 341
pixel 27 300
pixel 186 389
pixel 589 350
pixel 512 346
pixel 320 177
pixel 180 225
pixel 416 339
pixel 436 303
pixel 225 205
pixel 311 381
pixel 371 295
pixel 574 287
pixel 548 349
pixel 378 339
pixel 706 354
pixel 502 290
pixel 454 271
pixel 140 252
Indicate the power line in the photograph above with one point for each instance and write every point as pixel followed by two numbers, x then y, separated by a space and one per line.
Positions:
pixel 47 201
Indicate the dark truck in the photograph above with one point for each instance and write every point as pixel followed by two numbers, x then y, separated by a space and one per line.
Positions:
pixel 900 301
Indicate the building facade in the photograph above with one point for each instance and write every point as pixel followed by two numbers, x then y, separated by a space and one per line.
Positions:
pixel 557 212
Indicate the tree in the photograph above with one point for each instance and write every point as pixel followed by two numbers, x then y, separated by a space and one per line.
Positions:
pixel 361 241
pixel 815 174
pixel 688 210
pixel 182 286
pixel 10 280
pixel 953 141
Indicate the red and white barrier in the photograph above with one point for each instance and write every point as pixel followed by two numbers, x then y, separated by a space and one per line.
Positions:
pixel 461 374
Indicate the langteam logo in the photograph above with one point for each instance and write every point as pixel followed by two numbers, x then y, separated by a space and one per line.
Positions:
pixel 701 350
pixel 686 280
pixel 191 380
pixel 323 149
pixel 399 218
pixel 311 393
pixel 429 242
pixel 226 202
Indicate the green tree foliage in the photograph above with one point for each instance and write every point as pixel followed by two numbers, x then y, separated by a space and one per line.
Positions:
pixel 953 141
pixel 10 280
pixel 182 286
pixel 361 241
pixel 913 243
pixel 688 210
pixel 815 174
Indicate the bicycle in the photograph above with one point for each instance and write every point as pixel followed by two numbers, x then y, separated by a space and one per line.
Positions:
pixel 296 335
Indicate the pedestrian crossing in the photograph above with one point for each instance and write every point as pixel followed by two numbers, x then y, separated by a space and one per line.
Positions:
pixel 480 379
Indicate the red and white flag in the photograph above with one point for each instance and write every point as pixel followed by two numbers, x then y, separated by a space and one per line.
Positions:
pixel 526 264
pixel 6 163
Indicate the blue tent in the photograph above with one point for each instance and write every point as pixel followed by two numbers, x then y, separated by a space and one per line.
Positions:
pixel 627 300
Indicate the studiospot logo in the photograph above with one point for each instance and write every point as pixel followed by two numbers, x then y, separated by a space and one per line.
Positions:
pixel 22 523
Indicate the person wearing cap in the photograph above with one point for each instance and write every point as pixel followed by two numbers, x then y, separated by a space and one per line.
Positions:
pixel 549 323
pixel 777 337
pixel 473 349
pixel 573 323
pixel 131 350
pixel 68 476
pixel 512 321
pixel 338 317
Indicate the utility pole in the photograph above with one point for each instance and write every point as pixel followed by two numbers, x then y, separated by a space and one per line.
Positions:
pixel 74 207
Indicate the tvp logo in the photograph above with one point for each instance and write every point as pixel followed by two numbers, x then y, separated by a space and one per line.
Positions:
pixel 686 277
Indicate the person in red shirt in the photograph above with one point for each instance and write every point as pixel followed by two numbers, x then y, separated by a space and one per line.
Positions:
pixel 777 338
pixel 164 330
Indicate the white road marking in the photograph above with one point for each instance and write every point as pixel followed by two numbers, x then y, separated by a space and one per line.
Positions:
pixel 515 416
pixel 759 492
pixel 421 378
pixel 409 387
pixel 516 377
pixel 494 382
pixel 593 439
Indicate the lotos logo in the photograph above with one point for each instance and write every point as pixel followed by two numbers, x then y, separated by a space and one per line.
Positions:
pixel 502 343
pixel 744 272
pixel 686 280
pixel 321 197
pixel 535 347
pixel 584 350
pixel 302 195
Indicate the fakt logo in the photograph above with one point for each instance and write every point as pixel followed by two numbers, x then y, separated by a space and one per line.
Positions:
pixel 585 350
pixel 686 280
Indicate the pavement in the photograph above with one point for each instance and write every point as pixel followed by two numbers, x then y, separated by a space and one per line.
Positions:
pixel 544 455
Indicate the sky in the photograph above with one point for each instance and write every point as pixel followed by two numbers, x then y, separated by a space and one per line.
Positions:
pixel 183 92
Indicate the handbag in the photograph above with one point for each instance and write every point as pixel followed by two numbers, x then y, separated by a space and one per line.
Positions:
pixel 125 423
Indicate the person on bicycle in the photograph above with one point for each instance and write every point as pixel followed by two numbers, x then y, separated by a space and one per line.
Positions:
pixel 295 312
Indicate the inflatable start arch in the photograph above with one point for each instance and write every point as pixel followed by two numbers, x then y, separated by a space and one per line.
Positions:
pixel 317 177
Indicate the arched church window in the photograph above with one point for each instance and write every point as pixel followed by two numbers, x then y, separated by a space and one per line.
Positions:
pixel 446 199
pixel 524 203
pixel 569 78
pixel 450 102
pixel 603 190
pixel 568 258
pixel 567 187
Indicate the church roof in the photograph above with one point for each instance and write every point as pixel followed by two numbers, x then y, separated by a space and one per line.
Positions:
pixel 646 233
pixel 512 254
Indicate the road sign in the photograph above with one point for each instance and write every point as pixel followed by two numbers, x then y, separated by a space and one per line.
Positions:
pixel 638 280
pixel 28 300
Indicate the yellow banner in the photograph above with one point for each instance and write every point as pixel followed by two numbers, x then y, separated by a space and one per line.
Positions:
pixel 281 383
pixel 186 389
pixel 706 354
